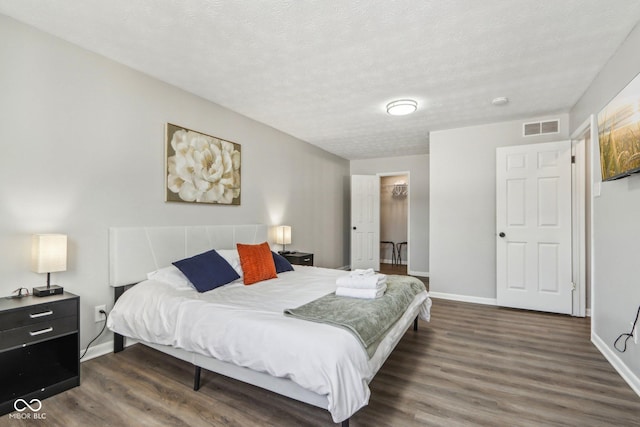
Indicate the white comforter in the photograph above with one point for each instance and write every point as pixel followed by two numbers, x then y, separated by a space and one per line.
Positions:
pixel 245 325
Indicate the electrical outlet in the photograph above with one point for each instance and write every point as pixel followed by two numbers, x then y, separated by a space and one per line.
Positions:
pixel 635 334
pixel 97 316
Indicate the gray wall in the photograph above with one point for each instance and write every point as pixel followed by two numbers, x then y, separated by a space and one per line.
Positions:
pixel 83 150
pixel 463 205
pixel 418 168
pixel 616 225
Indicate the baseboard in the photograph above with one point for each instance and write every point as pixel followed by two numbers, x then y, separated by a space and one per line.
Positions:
pixel 418 273
pixel 617 363
pixel 104 348
pixel 344 267
pixel 98 350
pixel 463 298
pixel 467 298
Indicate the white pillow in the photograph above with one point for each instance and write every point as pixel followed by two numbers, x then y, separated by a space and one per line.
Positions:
pixel 171 275
pixel 233 258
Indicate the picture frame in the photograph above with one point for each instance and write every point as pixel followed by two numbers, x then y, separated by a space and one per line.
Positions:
pixel 619 133
pixel 201 168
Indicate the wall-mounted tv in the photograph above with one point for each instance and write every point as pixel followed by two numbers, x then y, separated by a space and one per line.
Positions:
pixel 619 133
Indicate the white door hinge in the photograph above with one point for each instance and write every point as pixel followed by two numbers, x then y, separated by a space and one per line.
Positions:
pixel 573 286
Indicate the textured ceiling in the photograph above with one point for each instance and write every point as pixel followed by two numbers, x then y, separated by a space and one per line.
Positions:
pixel 324 70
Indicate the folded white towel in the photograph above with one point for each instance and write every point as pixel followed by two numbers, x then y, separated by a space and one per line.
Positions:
pixel 358 272
pixel 362 282
pixel 361 293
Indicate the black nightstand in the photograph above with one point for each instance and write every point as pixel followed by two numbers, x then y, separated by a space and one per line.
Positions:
pixel 299 258
pixel 39 348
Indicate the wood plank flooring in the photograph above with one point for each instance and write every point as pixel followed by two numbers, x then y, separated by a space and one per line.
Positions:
pixel 471 365
pixel 393 268
pixel 400 270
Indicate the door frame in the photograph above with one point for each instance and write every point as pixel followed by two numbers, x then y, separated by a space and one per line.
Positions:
pixel 408 174
pixel 578 234
pixel 586 190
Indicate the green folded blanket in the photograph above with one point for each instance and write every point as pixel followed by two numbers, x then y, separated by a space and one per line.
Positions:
pixel 367 319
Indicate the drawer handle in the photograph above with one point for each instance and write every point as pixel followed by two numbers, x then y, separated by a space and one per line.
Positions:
pixel 43 314
pixel 306 259
pixel 42 331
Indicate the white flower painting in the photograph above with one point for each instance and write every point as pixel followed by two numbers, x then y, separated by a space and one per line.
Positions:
pixel 201 168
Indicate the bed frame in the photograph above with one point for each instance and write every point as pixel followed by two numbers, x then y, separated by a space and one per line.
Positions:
pixel 135 251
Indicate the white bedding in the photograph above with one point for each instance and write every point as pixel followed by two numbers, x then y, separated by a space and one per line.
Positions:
pixel 245 325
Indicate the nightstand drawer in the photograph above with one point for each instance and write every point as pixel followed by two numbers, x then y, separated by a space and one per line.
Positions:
pixel 308 260
pixel 31 315
pixel 37 332
pixel 299 258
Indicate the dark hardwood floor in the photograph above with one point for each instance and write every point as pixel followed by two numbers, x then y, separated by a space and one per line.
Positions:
pixel 400 269
pixel 393 268
pixel 471 365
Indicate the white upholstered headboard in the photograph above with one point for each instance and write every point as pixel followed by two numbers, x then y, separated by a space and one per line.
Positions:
pixel 136 251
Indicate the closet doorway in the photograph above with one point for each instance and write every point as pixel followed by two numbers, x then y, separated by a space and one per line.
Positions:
pixel 394 223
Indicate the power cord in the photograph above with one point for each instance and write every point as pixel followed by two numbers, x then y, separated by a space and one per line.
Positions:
pixel 626 336
pixel 99 333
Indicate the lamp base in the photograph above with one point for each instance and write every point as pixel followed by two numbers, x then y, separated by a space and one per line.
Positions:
pixel 43 291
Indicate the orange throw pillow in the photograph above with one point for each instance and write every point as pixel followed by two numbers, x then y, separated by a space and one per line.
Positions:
pixel 257 262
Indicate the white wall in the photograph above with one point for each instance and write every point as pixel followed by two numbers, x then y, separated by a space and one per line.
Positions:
pixel 463 205
pixel 83 150
pixel 616 226
pixel 418 168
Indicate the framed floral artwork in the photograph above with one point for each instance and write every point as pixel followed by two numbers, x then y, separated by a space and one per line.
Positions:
pixel 201 168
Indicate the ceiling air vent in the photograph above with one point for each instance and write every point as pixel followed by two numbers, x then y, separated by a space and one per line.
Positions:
pixel 540 128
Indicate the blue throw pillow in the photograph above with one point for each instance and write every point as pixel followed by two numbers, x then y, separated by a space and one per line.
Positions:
pixel 282 264
pixel 207 270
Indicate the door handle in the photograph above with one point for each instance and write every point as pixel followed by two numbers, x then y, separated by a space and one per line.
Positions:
pixel 501 234
pixel 354 228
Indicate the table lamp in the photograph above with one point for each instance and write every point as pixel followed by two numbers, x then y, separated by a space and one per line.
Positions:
pixel 283 237
pixel 48 255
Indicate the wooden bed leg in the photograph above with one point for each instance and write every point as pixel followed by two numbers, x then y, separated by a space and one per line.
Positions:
pixel 196 378
pixel 415 324
pixel 345 423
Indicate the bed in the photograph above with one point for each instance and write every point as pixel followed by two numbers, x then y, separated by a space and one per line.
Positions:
pixel 242 332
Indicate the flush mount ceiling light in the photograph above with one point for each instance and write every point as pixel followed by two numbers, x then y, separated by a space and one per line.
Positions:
pixel 501 100
pixel 402 107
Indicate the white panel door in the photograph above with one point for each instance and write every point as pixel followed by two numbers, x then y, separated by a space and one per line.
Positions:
pixel 533 224
pixel 365 222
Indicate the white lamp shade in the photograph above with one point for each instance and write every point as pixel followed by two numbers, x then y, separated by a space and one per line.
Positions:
pixel 283 235
pixel 48 253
